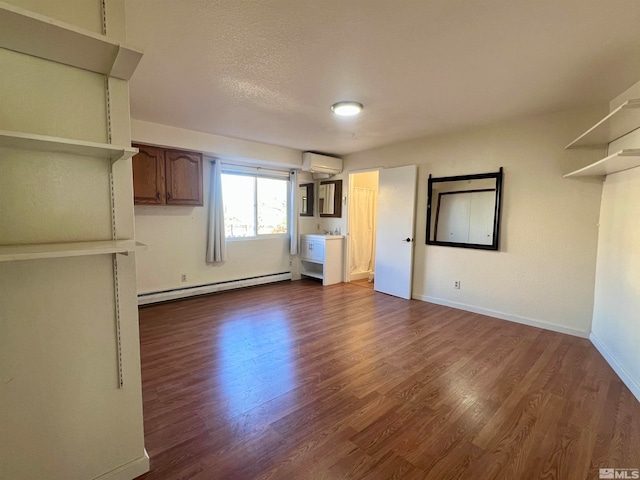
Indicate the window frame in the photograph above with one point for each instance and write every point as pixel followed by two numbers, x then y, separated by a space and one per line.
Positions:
pixel 273 175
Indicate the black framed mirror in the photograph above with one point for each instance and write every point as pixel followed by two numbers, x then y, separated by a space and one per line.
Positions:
pixel 464 211
pixel 330 198
pixel 306 196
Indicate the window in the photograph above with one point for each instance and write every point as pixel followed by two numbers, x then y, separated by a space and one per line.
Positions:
pixel 254 205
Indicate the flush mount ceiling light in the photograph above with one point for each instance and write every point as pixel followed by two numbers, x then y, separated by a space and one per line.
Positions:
pixel 346 109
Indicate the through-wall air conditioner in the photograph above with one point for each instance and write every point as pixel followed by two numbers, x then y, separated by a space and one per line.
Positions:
pixel 322 166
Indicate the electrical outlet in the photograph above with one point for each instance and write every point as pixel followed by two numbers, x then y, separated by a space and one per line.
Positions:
pixel 183 277
pixel 456 284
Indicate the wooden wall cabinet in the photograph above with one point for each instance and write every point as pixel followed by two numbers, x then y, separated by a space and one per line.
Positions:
pixel 167 177
pixel 183 177
pixel 148 176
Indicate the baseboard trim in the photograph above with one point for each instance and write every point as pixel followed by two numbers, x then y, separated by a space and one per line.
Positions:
pixel 532 322
pixel 155 297
pixel 616 365
pixel 128 471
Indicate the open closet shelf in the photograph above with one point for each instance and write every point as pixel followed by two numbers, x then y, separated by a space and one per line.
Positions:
pixel 33 34
pixel 28 141
pixel 619 161
pixel 10 253
pixel 311 273
pixel 618 123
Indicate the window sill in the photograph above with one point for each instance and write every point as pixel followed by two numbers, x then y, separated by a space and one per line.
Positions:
pixel 258 238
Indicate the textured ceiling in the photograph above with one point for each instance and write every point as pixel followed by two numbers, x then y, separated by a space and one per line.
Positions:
pixel 269 70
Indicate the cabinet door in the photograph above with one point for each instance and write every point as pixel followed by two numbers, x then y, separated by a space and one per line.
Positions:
pixel 148 176
pixel 184 177
pixel 304 249
pixel 316 251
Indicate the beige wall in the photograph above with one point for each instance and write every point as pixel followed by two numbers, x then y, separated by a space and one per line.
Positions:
pixel 177 236
pixel 82 13
pixel 616 330
pixel 544 272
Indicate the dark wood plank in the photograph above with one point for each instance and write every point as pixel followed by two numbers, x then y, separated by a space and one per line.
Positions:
pixel 295 380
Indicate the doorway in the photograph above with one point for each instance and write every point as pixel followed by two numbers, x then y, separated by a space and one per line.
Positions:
pixel 363 199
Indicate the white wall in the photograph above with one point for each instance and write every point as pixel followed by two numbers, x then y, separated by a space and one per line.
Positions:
pixel 544 273
pixel 310 224
pixel 215 145
pixel 176 235
pixel 331 223
pixel 616 329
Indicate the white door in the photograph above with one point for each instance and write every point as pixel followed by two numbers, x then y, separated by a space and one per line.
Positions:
pixel 395 230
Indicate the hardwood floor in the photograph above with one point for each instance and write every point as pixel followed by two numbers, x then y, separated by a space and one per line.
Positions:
pixel 363 283
pixel 297 381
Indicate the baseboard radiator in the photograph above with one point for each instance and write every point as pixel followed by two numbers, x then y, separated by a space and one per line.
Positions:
pixel 155 297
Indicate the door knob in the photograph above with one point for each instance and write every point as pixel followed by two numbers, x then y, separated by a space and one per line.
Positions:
pixel 408 240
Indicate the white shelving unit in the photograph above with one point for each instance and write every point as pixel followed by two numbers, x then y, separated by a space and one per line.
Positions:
pixel 12 253
pixel 86 293
pixel 113 153
pixel 619 161
pixel 30 33
pixel 622 120
pixel 40 36
pixel 33 34
pixel 44 143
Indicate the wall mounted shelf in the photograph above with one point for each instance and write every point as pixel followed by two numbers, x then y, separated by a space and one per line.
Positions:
pixel 44 143
pixel 619 161
pixel 33 34
pixel 10 253
pixel 622 120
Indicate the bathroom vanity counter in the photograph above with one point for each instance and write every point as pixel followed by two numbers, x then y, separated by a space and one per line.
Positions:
pixel 321 257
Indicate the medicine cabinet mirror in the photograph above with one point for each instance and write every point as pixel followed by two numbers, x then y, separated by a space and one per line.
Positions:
pixel 464 211
pixel 330 198
pixel 306 194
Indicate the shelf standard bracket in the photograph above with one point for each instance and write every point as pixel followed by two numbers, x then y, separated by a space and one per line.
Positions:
pixel 118 330
pixel 103 13
pixel 116 287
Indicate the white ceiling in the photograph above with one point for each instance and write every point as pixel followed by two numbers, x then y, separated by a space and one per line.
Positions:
pixel 268 70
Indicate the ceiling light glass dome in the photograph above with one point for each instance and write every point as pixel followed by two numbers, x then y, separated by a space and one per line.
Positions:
pixel 346 109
